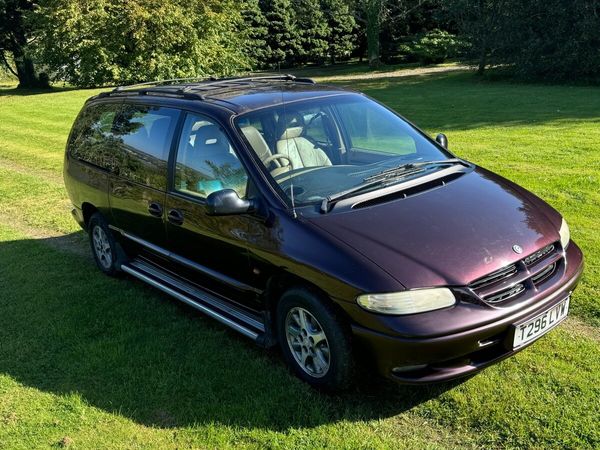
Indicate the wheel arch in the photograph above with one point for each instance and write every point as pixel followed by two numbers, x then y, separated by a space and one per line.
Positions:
pixel 88 210
pixel 281 282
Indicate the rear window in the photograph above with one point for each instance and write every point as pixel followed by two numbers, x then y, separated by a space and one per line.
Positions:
pixel 144 133
pixel 93 140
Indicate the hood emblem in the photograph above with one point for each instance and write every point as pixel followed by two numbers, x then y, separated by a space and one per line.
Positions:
pixel 517 249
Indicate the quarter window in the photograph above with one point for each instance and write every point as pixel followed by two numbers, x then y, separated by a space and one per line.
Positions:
pixel 206 161
pixel 145 133
pixel 92 138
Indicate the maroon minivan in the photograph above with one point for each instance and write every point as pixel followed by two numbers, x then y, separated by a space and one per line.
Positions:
pixel 317 219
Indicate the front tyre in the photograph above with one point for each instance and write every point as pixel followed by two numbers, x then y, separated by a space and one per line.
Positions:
pixel 314 340
pixel 104 247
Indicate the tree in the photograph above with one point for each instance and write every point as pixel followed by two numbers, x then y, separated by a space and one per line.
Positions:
pixel 341 24
pixel 374 14
pixel 96 42
pixel 15 37
pixel 483 23
pixel 551 40
pixel 314 31
pixel 284 40
pixel 543 39
pixel 254 29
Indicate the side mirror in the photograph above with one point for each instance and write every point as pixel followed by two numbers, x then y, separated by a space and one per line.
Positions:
pixel 442 140
pixel 226 202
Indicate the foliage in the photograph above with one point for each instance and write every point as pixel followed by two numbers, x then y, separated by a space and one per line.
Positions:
pixel 411 18
pixel 341 25
pixel 552 40
pixel 109 41
pixel 432 47
pixel 254 30
pixel 15 36
pixel 307 31
pixel 314 31
pixel 284 39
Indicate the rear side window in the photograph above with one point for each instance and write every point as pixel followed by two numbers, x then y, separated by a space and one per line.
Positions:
pixel 144 133
pixel 93 140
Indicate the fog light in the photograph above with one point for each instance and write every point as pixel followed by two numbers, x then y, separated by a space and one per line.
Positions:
pixel 408 368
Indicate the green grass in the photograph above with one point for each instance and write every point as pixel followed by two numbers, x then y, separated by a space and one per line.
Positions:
pixel 92 362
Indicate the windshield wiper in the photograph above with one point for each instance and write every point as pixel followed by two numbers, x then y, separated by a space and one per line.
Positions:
pixel 403 168
pixel 383 177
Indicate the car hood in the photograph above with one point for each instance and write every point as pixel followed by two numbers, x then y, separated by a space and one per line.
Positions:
pixel 450 235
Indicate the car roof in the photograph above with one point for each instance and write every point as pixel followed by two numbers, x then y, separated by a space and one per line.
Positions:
pixel 239 94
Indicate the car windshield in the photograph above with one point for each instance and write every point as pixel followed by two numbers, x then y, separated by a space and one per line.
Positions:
pixel 336 146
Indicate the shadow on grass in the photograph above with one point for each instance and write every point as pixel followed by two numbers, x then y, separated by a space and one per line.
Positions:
pixel 121 346
pixel 8 90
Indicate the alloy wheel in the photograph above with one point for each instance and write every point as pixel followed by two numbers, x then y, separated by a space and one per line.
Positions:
pixel 307 342
pixel 102 247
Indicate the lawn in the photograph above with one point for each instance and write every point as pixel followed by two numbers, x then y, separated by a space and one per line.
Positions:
pixel 92 362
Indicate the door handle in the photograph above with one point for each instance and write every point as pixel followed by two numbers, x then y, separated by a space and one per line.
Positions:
pixel 155 209
pixel 175 217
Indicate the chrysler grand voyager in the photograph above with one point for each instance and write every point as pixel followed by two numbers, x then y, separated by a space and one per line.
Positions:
pixel 317 219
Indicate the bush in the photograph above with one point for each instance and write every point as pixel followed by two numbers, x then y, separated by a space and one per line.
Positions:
pixel 432 47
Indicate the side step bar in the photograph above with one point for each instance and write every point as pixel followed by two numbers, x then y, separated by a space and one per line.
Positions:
pixel 203 301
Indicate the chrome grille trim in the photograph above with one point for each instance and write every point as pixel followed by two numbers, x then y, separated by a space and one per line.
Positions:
pixel 544 274
pixel 506 294
pixel 534 257
pixel 494 277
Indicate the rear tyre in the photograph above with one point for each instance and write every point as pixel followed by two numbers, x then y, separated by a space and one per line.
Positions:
pixel 104 248
pixel 314 340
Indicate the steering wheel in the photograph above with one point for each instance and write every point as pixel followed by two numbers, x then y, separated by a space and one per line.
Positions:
pixel 275 159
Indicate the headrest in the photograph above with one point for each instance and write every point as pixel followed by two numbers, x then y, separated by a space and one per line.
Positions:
pixel 291 133
pixel 250 132
pixel 212 138
pixel 159 129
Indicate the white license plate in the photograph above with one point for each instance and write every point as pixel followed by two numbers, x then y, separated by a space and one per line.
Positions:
pixel 532 329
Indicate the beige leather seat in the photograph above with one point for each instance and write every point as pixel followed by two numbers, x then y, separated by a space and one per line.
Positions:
pixel 261 148
pixel 257 142
pixel 300 151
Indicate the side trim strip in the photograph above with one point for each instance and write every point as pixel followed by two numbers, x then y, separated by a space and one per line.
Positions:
pixel 207 298
pixel 189 263
pixel 185 299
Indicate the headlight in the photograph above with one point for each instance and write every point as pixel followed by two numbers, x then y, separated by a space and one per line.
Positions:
pixel 407 302
pixel 565 234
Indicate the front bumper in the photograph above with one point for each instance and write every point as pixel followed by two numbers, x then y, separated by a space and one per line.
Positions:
pixel 446 357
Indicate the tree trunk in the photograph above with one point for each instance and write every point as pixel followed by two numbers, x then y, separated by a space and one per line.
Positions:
pixel 482 59
pixel 28 77
pixel 374 10
pixel 26 73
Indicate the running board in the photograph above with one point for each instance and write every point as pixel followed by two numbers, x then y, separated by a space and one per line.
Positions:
pixel 245 323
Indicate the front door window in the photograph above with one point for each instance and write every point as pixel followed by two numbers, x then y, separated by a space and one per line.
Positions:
pixel 206 161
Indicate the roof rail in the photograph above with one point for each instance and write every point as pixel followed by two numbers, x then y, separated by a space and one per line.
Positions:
pixel 210 81
pixel 161 82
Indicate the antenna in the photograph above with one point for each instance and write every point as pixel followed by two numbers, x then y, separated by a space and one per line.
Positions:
pixel 287 144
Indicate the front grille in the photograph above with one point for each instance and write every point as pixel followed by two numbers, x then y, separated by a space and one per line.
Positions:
pixel 534 257
pixel 544 274
pixel 514 280
pixel 506 294
pixel 495 277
